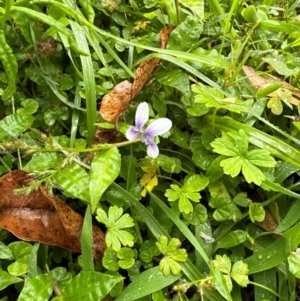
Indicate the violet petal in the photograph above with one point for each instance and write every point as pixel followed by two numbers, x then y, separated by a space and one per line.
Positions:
pixel 133 133
pixel 158 127
pixel 152 150
pixel 141 115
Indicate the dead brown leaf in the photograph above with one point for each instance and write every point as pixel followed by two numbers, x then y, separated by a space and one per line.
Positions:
pixel 41 217
pixel 116 102
pixel 260 82
pixel 269 223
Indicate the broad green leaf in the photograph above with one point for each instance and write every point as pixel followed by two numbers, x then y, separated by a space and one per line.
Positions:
pixel 270 256
pixel 291 218
pixel 38 288
pixel 96 286
pixel 5 252
pixel 232 239
pixel 32 261
pixel 20 249
pixel 44 161
pixel 185 36
pixel 267 278
pixel 179 138
pixel 19 267
pixel 175 78
pixel 169 164
pixel 16 124
pixel 105 168
pixel 203 157
pixel 7 279
pixel 256 212
pixel 75 182
pixel 197 7
pixel 146 283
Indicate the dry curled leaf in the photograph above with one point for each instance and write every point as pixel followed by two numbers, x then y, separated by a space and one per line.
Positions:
pixel 116 102
pixel 261 83
pixel 41 217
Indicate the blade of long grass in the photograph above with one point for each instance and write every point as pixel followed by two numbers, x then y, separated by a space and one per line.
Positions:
pixel 89 81
pixel 87 241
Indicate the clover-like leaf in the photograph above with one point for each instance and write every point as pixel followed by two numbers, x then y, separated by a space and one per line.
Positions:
pixel 115 222
pixel 239 273
pixel 235 145
pixel 126 258
pixel 172 255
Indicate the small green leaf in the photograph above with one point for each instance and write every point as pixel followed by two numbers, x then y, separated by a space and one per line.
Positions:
pixel 193 183
pixel 38 288
pixel 172 254
pixel 114 222
pixel 294 263
pixel 241 200
pixel 256 212
pixel 239 273
pixel 105 168
pixel 174 193
pixel 110 260
pixel 197 216
pixel 7 279
pixel 126 256
pixel 222 263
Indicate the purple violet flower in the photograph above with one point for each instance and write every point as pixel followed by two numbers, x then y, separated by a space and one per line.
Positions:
pixel 158 127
